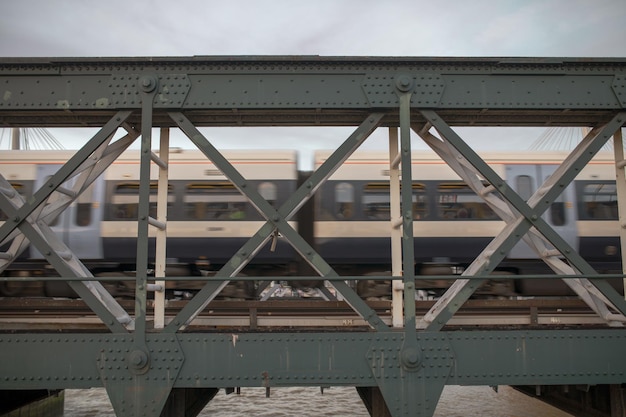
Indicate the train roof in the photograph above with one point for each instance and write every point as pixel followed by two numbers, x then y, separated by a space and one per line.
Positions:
pixel 183 164
pixel 374 165
pixel 539 157
pixel 179 154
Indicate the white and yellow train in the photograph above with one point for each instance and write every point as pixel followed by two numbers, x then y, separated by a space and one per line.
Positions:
pixel 348 223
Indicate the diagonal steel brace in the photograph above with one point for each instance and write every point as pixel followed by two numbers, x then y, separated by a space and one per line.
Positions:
pixel 537 242
pixel 36 230
pixel 493 254
pixel 276 220
pixel 64 172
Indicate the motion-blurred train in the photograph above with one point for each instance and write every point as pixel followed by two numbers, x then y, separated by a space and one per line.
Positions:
pixel 348 221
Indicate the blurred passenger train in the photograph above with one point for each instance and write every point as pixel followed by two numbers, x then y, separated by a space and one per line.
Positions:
pixel 208 219
pixel 452 225
pixel 348 222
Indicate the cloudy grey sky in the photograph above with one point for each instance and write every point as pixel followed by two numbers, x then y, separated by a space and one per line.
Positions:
pixel 577 28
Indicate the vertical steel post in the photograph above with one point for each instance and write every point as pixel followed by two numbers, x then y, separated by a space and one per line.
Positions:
pixel 160 257
pixel 148 85
pixel 620 177
pixel 404 84
pixel 397 316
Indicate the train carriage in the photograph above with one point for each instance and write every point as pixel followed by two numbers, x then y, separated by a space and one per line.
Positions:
pixel 452 225
pixel 208 219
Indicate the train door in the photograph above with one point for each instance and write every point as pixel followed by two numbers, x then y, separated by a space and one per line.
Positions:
pixel 561 215
pixel 78 226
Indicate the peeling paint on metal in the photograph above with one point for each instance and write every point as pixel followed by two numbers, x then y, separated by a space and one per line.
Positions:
pixel 63 104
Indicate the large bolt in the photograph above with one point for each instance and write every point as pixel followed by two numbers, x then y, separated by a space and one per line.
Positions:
pixel 148 83
pixel 410 358
pixel 404 83
pixel 138 359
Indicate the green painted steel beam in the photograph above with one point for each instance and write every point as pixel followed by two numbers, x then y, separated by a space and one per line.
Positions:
pixel 497 357
pixel 310 89
pixel 404 87
pixel 149 85
pixel 410 381
pixel 316 90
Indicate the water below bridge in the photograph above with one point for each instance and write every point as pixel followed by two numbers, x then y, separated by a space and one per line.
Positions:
pixel 456 401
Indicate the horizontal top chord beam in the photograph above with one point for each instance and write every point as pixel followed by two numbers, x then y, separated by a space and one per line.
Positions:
pixel 312 90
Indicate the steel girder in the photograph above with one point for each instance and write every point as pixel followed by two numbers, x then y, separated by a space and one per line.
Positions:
pixel 410 383
pixel 140 367
pixel 297 91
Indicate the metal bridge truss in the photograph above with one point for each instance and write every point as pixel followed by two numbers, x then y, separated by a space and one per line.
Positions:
pixel 155 366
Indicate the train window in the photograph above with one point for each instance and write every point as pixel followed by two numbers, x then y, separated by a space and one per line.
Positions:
pixel 376 203
pixel 268 192
pixel 457 201
pixel 557 212
pixel 525 187
pixel 19 187
pixel 344 200
pixel 54 197
pixel 84 205
pixel 125 201
pixel 214 201
pixel 600 201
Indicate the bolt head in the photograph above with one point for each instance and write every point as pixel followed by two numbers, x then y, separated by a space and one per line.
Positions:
pixel 148 83
pixel 404 83
pixel 138 359
pixel 410 357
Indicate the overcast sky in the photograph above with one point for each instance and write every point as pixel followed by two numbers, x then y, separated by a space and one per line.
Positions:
pixel 577 28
